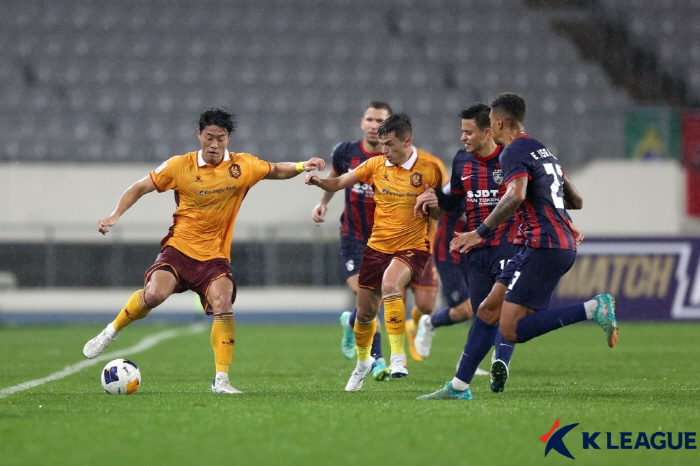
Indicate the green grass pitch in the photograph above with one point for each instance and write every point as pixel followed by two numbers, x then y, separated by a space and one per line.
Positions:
pixel 294 410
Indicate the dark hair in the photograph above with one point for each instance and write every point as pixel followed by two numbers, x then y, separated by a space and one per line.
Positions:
pixel 218 116
pixel 479 113
pixel 512 104
pixel 380 106
pixel 398 125
pixel 403 115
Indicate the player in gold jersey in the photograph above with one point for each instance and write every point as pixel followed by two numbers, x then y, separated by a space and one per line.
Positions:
pixel 397 250
pixel 425 286
pixel 209 187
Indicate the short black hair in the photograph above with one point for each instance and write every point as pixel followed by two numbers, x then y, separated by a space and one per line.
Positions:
pixel 218 116
pixel 398 125
pixel 403 115
pixel 479 113
pixel 512 104
pixel 379 106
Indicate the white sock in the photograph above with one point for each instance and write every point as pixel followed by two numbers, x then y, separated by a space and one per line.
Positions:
pixel 459 385
pixel 590 306
pixel 398 358
pixel 222 376
pixel 111 331
pixel 429 324
pixel 364 365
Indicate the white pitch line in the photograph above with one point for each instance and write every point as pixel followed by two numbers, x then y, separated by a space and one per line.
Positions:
pixel 143 345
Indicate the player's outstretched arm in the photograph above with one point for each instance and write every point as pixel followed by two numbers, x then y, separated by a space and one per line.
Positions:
pixel 572 198
pixel 511 200
pixel 318 214
pixel 286 170
pixel 129 198
pixel 332 185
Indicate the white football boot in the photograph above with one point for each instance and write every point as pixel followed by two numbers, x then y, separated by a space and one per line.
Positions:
pixel 358 376
pixel 222 386
pixel 398 366
pixel 424 336
pixel 94 347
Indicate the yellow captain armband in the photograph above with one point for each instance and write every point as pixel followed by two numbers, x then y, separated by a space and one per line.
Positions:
pixel 300 167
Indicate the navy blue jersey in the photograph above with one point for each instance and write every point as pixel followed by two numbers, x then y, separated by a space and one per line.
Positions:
pixel 480 181
pixel 358 215
pixel 544 220
pixel 450 223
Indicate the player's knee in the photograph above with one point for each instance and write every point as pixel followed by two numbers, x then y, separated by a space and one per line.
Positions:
pixel 390 287
pixel 155 296
pixel 221 304
pixel 489 313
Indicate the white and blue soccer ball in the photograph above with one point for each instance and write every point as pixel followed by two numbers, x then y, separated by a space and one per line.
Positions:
pixel 121 377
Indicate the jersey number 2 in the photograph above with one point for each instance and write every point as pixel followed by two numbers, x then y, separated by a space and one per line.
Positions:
pixel 555 171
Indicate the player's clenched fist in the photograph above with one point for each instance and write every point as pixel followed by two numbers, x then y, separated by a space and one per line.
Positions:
pixel 311 179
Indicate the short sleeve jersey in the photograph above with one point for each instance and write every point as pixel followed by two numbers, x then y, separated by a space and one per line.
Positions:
pixel 544 219
pixel 395 191
pixel 358 215
pixel 208 199
pixel 433 226
pixel 480 181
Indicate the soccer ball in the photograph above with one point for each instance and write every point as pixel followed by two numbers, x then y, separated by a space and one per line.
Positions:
pixel 121 377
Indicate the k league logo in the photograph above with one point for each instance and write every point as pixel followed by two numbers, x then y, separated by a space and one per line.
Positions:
pixel 556 441
pixel 618 440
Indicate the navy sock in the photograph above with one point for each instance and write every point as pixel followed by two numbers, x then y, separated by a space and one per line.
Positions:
pixel 351 319
pixel 377 345
pixel 504 348
pixel 441 318
pixel 541 322
pixel 481 338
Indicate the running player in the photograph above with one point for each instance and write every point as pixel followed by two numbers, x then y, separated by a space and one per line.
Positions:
pixel 356 221
pixel 476 186
pixel 425 287
pixel 536 190
pixel 397 250
pixel 209 186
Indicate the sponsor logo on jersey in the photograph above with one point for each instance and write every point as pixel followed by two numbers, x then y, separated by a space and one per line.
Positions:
pixel 204 192
pixel 416 180
pixel 235 170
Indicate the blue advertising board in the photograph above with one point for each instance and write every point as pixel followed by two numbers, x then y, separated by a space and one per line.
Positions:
pixel 651 279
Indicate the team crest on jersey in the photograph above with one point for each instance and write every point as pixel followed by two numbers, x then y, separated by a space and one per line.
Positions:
pixel 416 180
pixel 235 170
pixel 498 175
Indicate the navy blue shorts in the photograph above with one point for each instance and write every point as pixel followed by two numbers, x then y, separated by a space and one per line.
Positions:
pixel 484 267
pixel 351 250
pixel 454 281
pixel 537 273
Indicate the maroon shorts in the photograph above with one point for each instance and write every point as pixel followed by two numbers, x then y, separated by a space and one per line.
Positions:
pixel 192 274
pixel 374 263
pixel 428 280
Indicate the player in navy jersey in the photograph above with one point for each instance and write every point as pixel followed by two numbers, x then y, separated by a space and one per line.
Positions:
pixel 476 187
pixel 539 192
pixel 357 220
